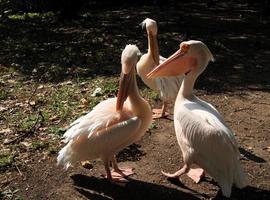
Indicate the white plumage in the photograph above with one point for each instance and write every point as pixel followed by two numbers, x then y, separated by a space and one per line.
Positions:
pixel 167 87
pixel 111 126
pixel 202 134
pixel 209 143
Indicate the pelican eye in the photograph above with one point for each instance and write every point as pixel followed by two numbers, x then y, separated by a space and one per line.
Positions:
pixel 184 47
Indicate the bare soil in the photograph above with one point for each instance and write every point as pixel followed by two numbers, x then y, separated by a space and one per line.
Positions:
pixel 237 84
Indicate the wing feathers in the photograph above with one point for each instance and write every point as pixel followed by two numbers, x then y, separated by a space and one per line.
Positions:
pixel 212 145
pixel 168 87
pixel 91 122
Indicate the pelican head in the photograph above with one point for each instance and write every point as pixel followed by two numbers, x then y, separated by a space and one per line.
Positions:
pixel 193 56
pixel 152 29
pixel 129 59
pixel 150 25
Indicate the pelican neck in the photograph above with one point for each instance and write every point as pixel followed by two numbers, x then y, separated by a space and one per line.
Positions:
pixel 133 88
pixel 186 89
pixel 152 42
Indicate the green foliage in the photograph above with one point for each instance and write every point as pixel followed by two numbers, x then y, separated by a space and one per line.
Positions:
pixel 1 195
pixel 39 145
pixel 59 104
pixel 19 198
pixel 93 102
pixel 153 95
pixel 11 194
pixel 57 131
pixel 26 16
pixel 28 122
pixel 52 150
pixel 6 160
pixel 153 126
pixel 110 88
pixel 3 95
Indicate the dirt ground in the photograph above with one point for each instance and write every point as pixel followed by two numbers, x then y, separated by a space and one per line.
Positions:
pixel 237 84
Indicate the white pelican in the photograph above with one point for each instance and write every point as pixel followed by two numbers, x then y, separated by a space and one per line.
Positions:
pixel 201 132
pixel 167 87
pixel 112 125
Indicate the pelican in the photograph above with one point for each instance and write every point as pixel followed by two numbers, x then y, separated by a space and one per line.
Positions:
pixel 111 126
pixel 202 134
pixel 167 87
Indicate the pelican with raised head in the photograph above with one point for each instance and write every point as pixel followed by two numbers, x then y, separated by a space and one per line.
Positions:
pixel 203 136
pixel 167 87
pixel 111 126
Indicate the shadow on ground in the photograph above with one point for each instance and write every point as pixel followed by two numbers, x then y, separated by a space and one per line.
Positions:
pixel 94 188
pixel 131 153
pixel 91 46
pixel 250 156
pixel 250 193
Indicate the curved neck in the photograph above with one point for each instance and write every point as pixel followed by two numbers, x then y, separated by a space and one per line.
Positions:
pixel 153 45
pixel 186 89
pixel 133 91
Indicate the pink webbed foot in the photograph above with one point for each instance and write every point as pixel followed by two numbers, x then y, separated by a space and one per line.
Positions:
pixel 116 179
pixel 124 171
pixel 196 174
pixel 159 113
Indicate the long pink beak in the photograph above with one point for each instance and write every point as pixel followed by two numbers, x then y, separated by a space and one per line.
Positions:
pixel 123 90
pixel 176 64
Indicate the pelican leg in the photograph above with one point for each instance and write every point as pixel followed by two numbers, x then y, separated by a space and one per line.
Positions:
pixel 178 173
pixel 160 113
pixel 194 174
pixel 124 172
pixel 115 179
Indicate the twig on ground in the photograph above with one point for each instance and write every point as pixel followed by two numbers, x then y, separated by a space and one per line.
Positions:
pixel 21 174
pixel 34 92
pixel 26 133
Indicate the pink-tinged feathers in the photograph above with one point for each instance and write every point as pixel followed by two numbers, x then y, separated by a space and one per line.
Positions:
pixel 129 58
pixel 106 130
pixel 202 133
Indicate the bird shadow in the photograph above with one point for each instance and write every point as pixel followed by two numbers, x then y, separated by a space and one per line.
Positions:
pixel 131 153
pixel 251 156
pixel 250 193
pixel 96 188
pixel 178 183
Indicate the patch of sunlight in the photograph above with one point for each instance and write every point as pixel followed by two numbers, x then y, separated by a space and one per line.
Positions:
pixel 25 16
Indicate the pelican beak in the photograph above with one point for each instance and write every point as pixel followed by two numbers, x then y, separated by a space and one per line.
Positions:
pixel 176 64
pixel 123 90
pixel 154 47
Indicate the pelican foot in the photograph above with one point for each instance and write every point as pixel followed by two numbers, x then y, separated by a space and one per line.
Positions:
pixel 177 174
pixel 196 174
pixel 159 113
pixel 118 180
pixel 124 172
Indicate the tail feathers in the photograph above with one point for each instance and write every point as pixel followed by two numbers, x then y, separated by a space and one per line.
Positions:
pixel 240 179
pixel 66 157
pixel 235 176
pixel 226 188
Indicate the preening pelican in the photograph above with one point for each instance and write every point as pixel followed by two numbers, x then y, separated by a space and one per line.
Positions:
pixel 202 134
pixel 167 87
pixel 112 125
